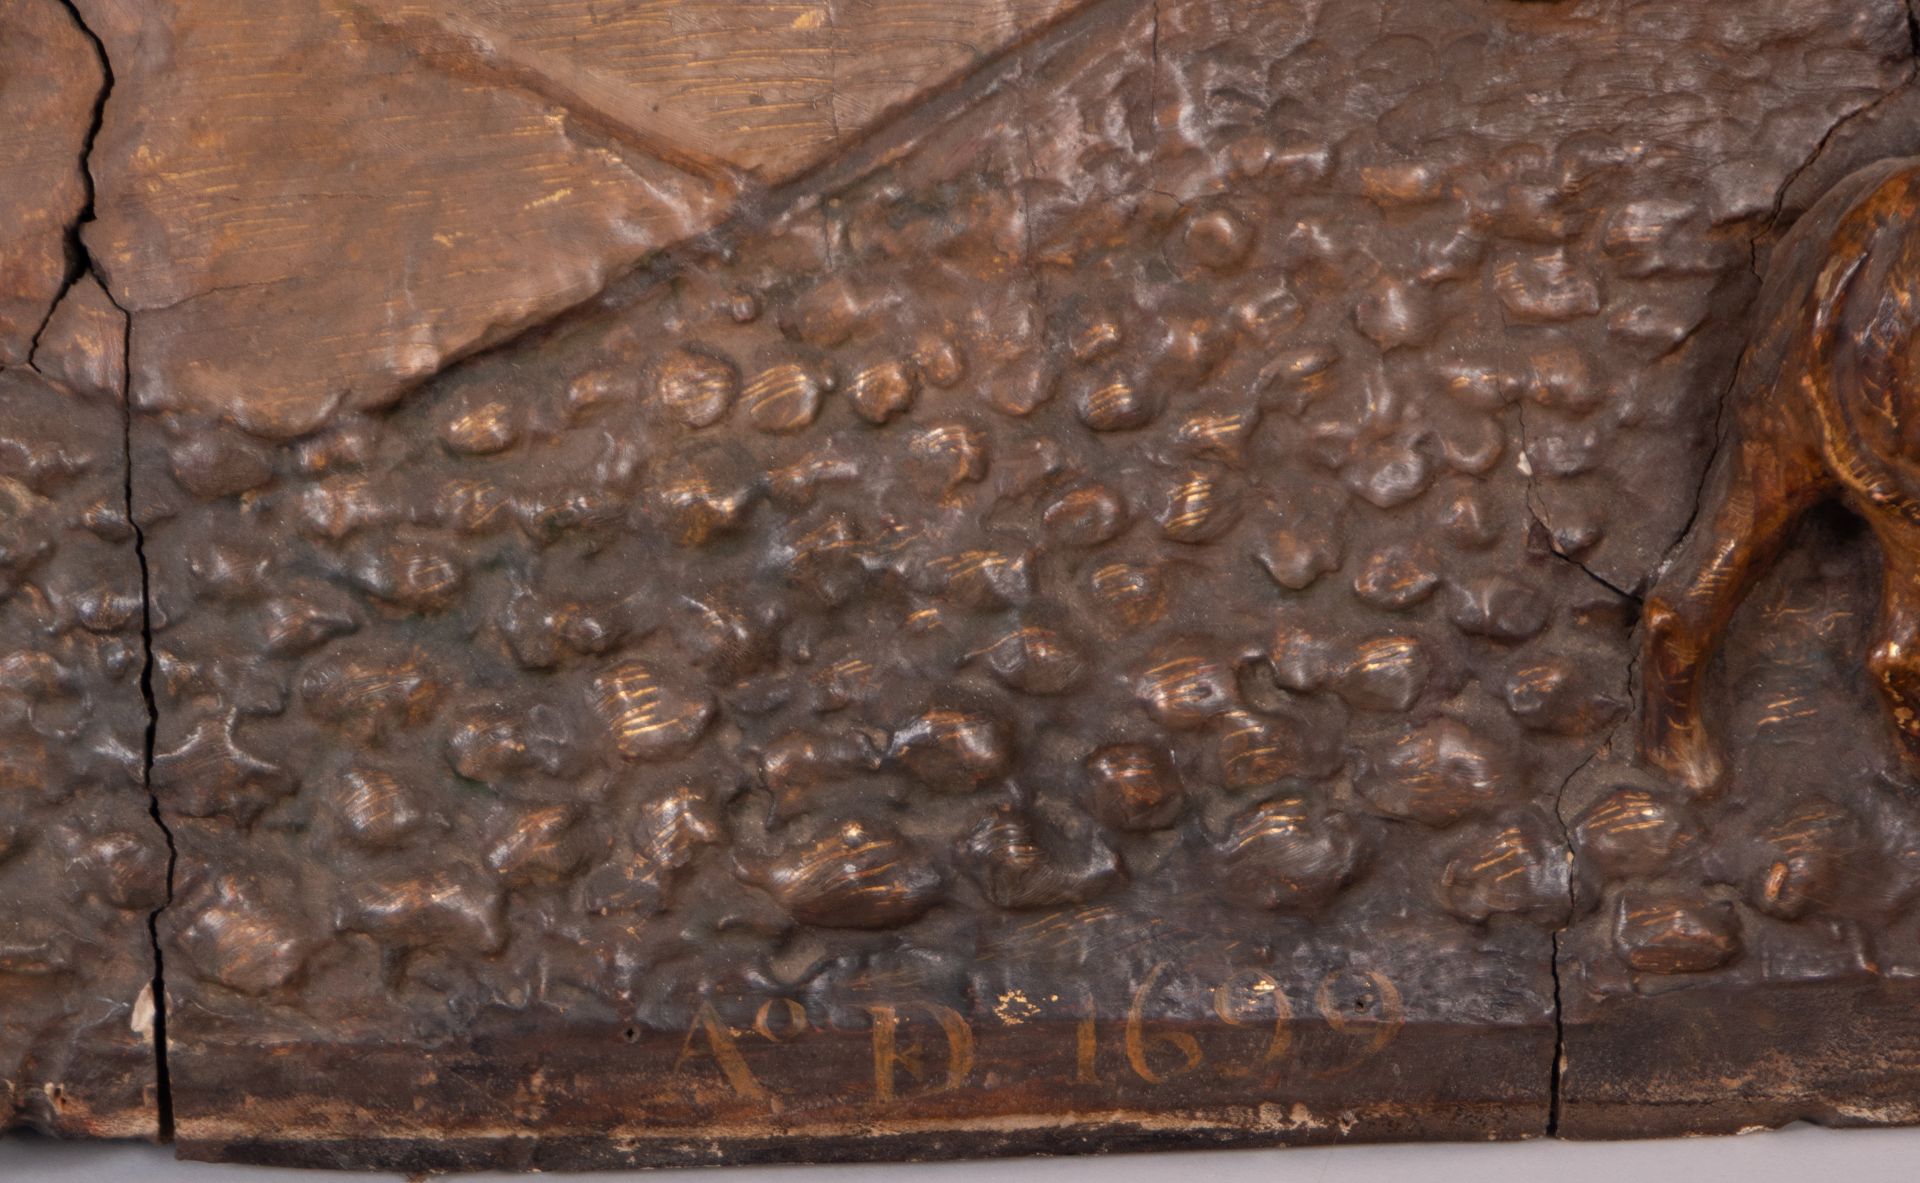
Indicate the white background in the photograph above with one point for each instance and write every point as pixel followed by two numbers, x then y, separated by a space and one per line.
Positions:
pixel 1801 1154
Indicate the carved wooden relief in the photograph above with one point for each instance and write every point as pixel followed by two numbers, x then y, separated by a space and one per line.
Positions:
pixel 83 866
pixel 688 582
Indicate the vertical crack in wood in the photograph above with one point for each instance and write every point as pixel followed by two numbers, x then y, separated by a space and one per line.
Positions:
pixel 82 263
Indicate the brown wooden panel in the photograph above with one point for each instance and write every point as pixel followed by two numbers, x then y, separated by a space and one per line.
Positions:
pixel 83 864
pixel 742 582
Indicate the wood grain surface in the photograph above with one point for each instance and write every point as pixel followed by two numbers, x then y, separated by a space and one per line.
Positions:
pixel 613 582
pixel 315 204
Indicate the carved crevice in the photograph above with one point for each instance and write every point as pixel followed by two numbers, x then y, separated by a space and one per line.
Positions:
pixel 1557 1064
pixel 833 77
pixel 464 49
pixel 1765 230
pixel 164 1092
pixel 1601 750
pixel 1764 233
pixel 79 261
pixel 1537 512
pixel 1030 258
pixel 1542 517
pixel 1771 225
pixel 1559 1026
pixel 758 205
pixel 82 264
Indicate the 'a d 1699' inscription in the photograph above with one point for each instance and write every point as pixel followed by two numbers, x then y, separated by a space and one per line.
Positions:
pixel 1254 1036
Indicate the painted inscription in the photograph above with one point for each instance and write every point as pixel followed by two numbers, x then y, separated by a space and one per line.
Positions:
pixel 919 1047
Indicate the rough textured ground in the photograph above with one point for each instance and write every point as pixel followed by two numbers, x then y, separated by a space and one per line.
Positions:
pixel 1153 533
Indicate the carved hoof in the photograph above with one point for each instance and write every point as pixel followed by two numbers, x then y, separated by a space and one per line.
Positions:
pixel 1689 760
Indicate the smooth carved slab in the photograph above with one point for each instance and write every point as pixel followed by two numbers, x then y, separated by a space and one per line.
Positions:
pixel 1176 592
pixel 765 88
pixel 50 80
pixel 302 215
pixel 316 203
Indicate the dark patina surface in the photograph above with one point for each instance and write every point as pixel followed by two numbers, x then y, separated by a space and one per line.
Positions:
pixel 887 581
pixel 82 864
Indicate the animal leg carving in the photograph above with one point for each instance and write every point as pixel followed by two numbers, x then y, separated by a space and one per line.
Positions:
pixel 1894 662
pixel 1757 494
